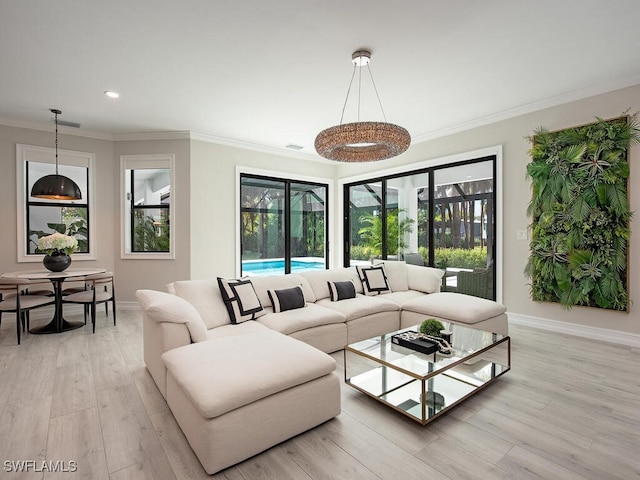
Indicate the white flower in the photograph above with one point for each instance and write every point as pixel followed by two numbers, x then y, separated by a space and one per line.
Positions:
pixel 57 243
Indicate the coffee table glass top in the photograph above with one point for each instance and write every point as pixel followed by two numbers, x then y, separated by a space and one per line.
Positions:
pixel 424 385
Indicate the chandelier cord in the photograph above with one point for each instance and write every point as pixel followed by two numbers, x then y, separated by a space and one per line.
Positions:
pixel 353 74
pixel 375 89
pixel 56 121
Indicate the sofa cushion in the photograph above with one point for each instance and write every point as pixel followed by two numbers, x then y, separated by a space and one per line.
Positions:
pixel 318 280
pixel 235 329
pixel 341 290
pixel 164 307
pixel 286 299
pixel 295 320
pixel 361 306
pixel 263 284
pixel 399 298
pixel 240 299
pixel 396 274
pixel 374 279
pixel 455 306
pixel 261 364
pixel 424 279
pixel 205 296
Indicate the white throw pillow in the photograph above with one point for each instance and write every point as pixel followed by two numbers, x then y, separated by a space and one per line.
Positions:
pixel 241 300
pixel 374 280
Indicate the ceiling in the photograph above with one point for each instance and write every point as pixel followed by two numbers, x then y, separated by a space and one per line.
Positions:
pixel 265 74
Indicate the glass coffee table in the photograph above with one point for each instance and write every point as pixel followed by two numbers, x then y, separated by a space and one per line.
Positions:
pixel 424 386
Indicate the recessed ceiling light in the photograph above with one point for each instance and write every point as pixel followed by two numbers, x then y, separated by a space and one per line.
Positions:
pixel 111 94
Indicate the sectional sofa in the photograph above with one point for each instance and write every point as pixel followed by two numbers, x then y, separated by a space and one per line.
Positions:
pixel 224 351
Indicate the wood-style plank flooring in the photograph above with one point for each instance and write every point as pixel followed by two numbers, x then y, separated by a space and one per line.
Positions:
pixel 568 409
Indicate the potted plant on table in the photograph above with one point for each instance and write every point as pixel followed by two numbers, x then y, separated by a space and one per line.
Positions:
pixel 58 249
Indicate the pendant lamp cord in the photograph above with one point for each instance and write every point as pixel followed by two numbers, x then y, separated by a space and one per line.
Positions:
pixel 375 89
pixel 56 121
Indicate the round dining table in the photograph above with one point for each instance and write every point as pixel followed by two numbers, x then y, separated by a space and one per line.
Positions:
pixel 58 323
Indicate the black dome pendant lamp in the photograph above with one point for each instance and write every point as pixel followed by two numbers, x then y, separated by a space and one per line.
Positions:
pixel 56 187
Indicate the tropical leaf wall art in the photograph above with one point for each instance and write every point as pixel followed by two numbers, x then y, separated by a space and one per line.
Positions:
pixel 580 214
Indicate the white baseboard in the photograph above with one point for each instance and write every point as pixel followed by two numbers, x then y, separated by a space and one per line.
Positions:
pixel 594 333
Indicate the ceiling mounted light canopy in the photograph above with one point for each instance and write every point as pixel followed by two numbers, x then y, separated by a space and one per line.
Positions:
pixel 362 141
pixel 56 187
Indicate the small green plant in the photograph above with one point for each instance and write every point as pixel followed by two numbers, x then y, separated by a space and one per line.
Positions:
pixel 432 327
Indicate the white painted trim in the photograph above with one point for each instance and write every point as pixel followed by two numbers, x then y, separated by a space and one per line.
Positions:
pixel 35 153
pixel 613 85
pixel 138 162
pixel 585 331
pixel 287 176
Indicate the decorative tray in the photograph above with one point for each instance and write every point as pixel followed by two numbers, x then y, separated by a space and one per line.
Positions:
pixel 414 341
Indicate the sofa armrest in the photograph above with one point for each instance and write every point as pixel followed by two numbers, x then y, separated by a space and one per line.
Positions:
pixel 163 307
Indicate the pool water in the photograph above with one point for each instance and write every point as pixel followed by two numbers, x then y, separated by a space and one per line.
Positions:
pixel 276 267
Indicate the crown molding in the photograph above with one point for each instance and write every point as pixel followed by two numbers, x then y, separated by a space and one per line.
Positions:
pixel 549 102
pixel 49 127
pixel 282 152
pixel 142 136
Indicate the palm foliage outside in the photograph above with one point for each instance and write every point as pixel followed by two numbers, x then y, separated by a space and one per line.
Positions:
pixel 397 228
pixel 580 214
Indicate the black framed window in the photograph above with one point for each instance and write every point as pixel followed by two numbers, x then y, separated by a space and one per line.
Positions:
pixel 284 225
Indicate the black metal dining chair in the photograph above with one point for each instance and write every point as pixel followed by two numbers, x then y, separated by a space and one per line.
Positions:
pixel 14 299
pixel 100 289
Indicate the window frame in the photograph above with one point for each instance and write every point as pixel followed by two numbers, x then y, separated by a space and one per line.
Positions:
pixel 32 153
pixel 144 162
pixel 289 179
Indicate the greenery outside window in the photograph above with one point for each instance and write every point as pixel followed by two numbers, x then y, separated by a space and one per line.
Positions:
pixel 38 217
pixel 147 206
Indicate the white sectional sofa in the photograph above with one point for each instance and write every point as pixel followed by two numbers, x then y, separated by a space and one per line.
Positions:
pixel 191 334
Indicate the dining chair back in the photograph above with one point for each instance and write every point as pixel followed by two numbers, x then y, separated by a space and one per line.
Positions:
pixel 13 298
pixel 100 289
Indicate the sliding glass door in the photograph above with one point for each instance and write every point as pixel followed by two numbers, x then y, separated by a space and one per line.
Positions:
pixel 283 225
pixel 442 216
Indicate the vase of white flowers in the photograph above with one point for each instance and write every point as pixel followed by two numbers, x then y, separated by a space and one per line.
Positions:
pixel 58 249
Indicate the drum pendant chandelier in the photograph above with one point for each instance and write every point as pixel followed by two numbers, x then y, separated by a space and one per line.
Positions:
pixel 362 141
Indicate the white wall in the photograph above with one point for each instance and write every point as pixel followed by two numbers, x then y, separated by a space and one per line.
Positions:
pixel 516 189
pixel 134 274
pixel 104 194
pixel 214 238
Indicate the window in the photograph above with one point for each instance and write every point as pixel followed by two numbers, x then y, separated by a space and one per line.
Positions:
pixel 147 206
pixel 442 216
pixel 283 225
pixel 38 217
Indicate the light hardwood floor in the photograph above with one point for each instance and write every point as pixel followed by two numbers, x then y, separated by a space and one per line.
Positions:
pixel 568 409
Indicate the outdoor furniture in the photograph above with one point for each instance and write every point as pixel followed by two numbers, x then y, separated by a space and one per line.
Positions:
pixel 414 259
pixel 100 289
pixel 13 299
pixel 478 283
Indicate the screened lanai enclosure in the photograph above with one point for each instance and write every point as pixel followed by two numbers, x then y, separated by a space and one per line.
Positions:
pixel 442 216
pixel 283 225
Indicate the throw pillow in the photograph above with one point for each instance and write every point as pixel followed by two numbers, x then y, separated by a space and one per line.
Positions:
pixel 286 299
pixel 374 280
pixel 341 290
pixel 240 299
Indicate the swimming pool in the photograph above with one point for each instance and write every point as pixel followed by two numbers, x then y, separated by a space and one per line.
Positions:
pixel 276 266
